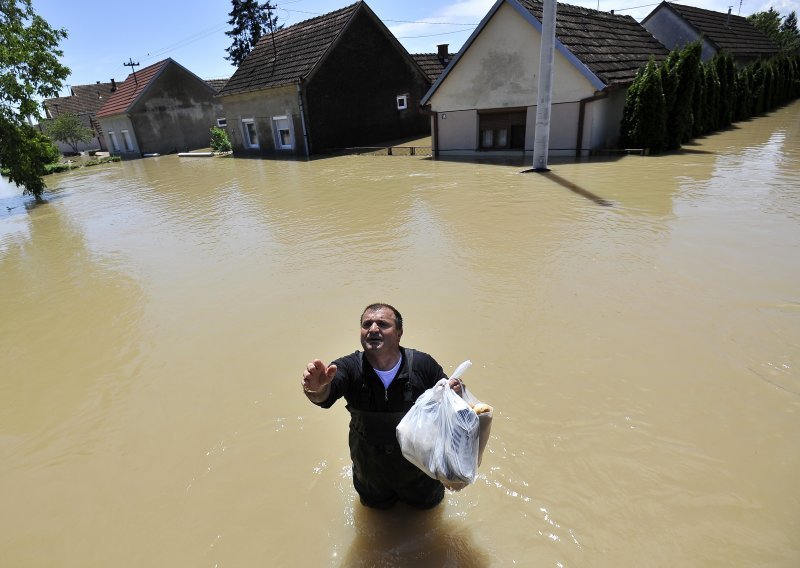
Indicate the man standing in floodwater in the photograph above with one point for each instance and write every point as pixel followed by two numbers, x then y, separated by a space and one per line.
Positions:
pixel 380 385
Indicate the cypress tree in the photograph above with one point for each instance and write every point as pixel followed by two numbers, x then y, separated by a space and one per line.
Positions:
pixel 688 71
pixel 650 124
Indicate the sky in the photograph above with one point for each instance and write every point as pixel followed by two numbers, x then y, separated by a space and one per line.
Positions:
pixel 103 36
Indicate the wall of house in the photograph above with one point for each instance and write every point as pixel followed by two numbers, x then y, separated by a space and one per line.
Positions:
pixel 175 113
pixel 563 129
pixel 261 107
pixel 352 97
pixel 117 124
pixel 458 130
pixel 673 31
pixel 602 121
pixel 501 69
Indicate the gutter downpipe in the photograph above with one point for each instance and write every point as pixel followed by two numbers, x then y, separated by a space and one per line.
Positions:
pixel 582 118
pixel 541 140
pixel 435 133
pixel 303 117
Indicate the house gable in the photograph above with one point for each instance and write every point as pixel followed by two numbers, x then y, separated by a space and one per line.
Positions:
pixel 499 67
pixel 364 71
pixel 605 49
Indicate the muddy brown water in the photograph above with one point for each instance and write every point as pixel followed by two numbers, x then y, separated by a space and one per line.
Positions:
pixel 634 321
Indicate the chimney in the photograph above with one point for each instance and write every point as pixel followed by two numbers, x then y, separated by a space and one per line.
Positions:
pixel 728 19
pixel 113 85
pixel 442 54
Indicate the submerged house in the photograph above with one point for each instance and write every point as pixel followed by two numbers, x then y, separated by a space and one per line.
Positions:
pixel 84 101
pixel 161 109
pixel 485 101
pixel 335 81
pixel 675 25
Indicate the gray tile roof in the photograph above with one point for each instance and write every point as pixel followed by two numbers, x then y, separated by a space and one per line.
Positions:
pixel 612 46
pixel 289 55
pixel 216 84
pixel 729 33
pixel 431 64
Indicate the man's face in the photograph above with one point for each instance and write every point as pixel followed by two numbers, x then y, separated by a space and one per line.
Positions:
pixel 379 333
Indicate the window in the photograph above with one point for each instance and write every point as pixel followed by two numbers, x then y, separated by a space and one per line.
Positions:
pixel 114 144
pixel 402 102
pixel 126 138
pixel 281 127
pixel 501 130
pixel 222 122
pixel 249 133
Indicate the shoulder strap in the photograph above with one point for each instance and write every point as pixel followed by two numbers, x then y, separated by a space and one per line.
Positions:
pixel 408 395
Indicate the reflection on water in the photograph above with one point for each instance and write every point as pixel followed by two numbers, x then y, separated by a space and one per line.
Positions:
pixel 635 322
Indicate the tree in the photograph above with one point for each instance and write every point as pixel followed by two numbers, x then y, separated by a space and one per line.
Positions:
pixel 250 20
pixel 69 129
pixel 644 121
pixel 29 71
pixel 784 33
pixel 789 34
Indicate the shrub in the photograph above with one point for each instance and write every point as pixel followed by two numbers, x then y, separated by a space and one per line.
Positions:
pixel 219 140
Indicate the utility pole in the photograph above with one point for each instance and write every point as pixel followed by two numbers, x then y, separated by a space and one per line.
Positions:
pixel 131 64
pixel 541 141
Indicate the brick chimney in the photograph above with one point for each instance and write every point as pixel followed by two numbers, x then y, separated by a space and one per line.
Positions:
pixel 442 54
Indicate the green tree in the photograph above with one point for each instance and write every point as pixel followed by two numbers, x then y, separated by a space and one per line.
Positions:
pixel 250 20
pixel 69 129
pixel 782 31
pixel 29 71
pixel 644 121
pixel 789 34
pixel 219 140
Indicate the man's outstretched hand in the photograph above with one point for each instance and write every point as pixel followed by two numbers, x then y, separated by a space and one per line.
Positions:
pixel 316 379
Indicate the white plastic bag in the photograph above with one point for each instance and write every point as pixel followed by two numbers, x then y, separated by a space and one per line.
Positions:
pixel 440 435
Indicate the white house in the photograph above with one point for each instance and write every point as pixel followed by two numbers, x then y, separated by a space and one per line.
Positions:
pixel 485 101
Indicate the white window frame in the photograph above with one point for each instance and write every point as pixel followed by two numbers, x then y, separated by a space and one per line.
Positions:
pixel 222 122
pixel 113 139
pixel 126 138
pixel 402 101
pixel 248 142
pixel 276 130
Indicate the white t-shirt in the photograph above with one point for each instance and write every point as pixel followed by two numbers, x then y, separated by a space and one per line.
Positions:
pixel 387 377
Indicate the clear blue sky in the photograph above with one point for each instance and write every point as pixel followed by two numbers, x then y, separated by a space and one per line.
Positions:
pixel 104 35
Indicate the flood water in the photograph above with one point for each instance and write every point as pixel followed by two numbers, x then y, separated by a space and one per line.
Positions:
pixel 634 321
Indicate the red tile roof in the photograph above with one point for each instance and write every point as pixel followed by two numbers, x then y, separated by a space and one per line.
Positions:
pixel 130 89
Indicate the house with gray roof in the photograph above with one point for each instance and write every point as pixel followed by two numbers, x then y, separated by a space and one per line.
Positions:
pixel 485 101
pixel 335 81
pixel 83 101
pixel 675 25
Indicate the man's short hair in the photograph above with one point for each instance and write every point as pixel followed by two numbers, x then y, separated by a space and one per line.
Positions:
pixel 372 307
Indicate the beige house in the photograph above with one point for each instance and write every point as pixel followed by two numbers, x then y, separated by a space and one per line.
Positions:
pixel 485 101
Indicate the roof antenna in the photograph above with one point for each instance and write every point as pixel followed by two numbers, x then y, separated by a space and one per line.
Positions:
pixel 272 35
pixel 131 64
pixel 740 8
